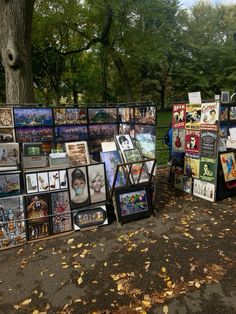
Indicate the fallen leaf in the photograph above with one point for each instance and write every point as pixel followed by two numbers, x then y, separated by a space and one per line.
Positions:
pixel 70 241
pixel 80 280
pixel 165 309
pixel 26 302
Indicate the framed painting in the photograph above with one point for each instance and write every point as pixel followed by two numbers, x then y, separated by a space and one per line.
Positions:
pixel 228 166
pixel 145 115
pixel 70 116
pixel 9 154
pixel 101 131
pixel 78 187
pixel 67 133
pixel 12 222
pixel 31 183
pixel 78 153
pixel 33 117
pixel 102 115
pixel 32 149
pixel 111 160
pixel 145 132
pixel 132 203
pixel 61 212
pixel 37 213
pixel 7 135
pixel 6 117
pixel 90 217
pixel 10 183
pixel 97 183
pixel 31 134
pixel 126 114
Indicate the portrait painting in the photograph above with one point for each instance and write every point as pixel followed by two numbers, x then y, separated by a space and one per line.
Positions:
pixel 97 183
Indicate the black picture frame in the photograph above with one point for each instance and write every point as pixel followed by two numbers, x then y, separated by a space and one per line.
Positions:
pixel 10 183
pixel 90 217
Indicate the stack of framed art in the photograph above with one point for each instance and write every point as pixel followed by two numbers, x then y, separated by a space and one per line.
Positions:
pixel 202 149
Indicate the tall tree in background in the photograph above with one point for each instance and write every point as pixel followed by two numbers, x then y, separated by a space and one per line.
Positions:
pixel 15 33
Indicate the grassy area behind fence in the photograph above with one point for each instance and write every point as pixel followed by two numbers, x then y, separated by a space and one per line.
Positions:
pixel 163 121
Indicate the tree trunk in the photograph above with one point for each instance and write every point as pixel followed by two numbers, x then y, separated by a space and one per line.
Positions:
pixel 104 60
pixel 163 96
pixel 15 32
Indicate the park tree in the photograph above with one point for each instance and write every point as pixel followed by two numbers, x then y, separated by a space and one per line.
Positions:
pixel 15 34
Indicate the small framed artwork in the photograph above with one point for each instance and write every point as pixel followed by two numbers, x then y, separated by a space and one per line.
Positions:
pixel 61 213
pixel 6 118
pixel 228 166
pixel 97 183
pixel 145 115
pixel 124 142
pixel 9 154
pixel 7 135
pixel 32 149
pixel 108 146
pixel 63 179
pixel 43 181
pixel 78 187
pixel 54 182
pixel 91 217
pixel 132 203
pixel 67 133
pixel 34 134
pixel 224 97
pixel 10 184
pixel 31 183
pixel 12 222
pixel 37 212
pixel 111 160
pixel 102 115
pixel 33 116
pixel 70 116
pixel 126 114
pixel 78 153
pixel 101 131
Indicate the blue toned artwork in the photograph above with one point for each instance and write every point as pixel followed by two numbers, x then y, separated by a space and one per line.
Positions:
pixel 33 116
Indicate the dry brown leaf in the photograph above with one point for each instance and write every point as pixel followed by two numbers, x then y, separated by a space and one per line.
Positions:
pixel 165 309
pixel 70 241
pixel 26 302
pixel 80 280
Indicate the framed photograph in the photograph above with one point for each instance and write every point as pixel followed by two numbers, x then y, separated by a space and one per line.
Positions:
pixel 178 116
pixel 10 184
pixel 7 135
pixel 9 154
pixel 102 115
pixel 147 147
pixel 70 116
pixel 205 190
pixel 78 187
pixel 132 203
pixel 224 110
pixel 32 149
pixel 91 217
pixel 54 181
pixel 101 131
pixel 232 112
pixel 31 183
pixel 12 222
pixel 124 142
pixel 37 213
pixel 138 171
pixel 63 179
pixel 78 153
pixel 126 114
pixel 67 133
pixel 6 117
pixel 111 160
pixel 33 117
pixel 97 183
pixel 228 166
pixel 39 134
pixel 145 115
pixel 61 213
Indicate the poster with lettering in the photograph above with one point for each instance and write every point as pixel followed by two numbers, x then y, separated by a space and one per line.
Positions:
pixel 178 116
pixel 193 116
pixel 191 165
pixel 204 190
pixel 192 141
pixel 178 140
pixel 208 169
pixel 209 116
pixel 208 140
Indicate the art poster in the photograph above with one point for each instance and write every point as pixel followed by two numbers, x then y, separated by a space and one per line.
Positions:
pixel 178 140
pixel 70 116
pixel 192 142
pixel 78 153
pixel 9 154
pixel 208 169
pixel 224 130
pixel 208 144
pixel 145 115
pixel 10 184
pixel 102 115
pixel 183 183
pixel 192 165
pixel 177 164
pixel 203 189
pixel 193 116
pixel 210 116
pixel 33 116
pixel 228 166
pixel 61 214
pixel 7 135
pixel 6 118
pixel 91 217
pixel 178 116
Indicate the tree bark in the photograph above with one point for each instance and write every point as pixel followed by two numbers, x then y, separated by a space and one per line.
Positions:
pixel 15 33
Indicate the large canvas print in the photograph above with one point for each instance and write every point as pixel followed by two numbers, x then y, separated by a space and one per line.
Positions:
pixel 228 166
pixel 208 169
pixel 6 117
pixel 10 184
pixel 101 131
pixel 97 180
pixel 61 213
pixel 78 187
pixel 179 116
pixel 203 189
pixel 178 140
pixel 193 116
pixel 37 212
pixel 90 217
pixel 7 135
pixel 68 133
pixel 9 154
pixel 209 116
pixel 208 140
pixel 132 203
pixel 102 115
pixel 111 160
pixel 33 116
pixel 12 222
pixel 78 153
pixel 31 134
pixel 70 116
pixel 145 115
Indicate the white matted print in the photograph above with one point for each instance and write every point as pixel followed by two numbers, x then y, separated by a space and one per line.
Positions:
pixel 96 174
pixel 54 183
pixel 31 183
pixel 63 179
pixel 43 182
pixel 204 190
pixel 9 154
pixel 124 142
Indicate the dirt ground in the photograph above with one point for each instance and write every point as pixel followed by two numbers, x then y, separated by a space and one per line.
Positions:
pixel 180 260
